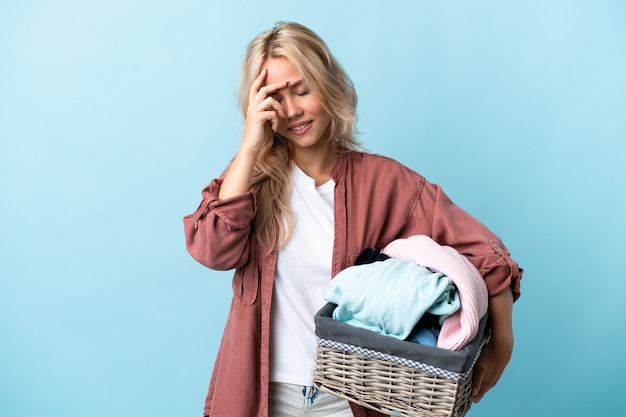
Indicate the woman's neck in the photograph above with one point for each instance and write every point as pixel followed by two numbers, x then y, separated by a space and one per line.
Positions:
pixel 317 165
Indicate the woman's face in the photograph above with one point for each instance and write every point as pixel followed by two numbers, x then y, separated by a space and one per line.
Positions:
pixel 306 122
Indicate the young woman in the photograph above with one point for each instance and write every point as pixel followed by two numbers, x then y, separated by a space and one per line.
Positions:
pixel 297 204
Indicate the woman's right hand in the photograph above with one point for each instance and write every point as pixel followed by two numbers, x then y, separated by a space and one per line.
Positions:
pixel 262 108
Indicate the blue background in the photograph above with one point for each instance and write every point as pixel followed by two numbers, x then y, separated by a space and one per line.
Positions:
pixel 115 114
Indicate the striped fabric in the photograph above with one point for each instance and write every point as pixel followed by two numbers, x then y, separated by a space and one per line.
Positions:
pixel 454 376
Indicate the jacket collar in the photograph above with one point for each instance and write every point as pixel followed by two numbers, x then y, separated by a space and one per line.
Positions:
pixel 341 163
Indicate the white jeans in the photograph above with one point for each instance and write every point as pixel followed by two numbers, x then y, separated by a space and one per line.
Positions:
pixel 288 400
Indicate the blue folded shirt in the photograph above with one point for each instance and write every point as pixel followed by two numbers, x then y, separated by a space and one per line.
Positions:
pixel 390 297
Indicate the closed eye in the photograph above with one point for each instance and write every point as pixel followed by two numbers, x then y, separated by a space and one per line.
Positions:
pixel 279 98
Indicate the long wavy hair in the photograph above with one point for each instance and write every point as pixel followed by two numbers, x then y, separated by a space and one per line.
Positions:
pixel 271 182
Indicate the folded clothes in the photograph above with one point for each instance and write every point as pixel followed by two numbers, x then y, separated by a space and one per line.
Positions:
pixel 390 297
pixel 459 328
pixel 424 336
pixel 369 255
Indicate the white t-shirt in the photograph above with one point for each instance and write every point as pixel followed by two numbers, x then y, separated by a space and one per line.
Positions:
pixel 303 271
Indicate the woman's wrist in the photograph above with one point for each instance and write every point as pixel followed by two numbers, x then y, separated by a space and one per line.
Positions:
pixel 238 179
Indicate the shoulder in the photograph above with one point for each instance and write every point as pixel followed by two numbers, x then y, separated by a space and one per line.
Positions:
pixel 380 166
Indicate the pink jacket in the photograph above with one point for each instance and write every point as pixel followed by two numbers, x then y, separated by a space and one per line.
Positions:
pixel 377 200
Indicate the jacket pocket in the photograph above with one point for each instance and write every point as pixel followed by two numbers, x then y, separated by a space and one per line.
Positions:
pixel 246 280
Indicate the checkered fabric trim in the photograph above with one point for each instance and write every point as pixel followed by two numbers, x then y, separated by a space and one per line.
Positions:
pixel 402 361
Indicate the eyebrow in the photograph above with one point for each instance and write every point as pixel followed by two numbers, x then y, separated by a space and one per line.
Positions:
pixel 296 83
pixel 291 85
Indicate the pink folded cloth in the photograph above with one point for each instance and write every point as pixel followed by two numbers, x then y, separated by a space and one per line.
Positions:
pixel 461 327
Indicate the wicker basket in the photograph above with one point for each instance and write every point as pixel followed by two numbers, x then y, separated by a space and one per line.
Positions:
pixel 395 377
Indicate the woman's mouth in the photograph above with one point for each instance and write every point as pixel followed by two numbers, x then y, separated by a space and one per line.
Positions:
pixel 301 129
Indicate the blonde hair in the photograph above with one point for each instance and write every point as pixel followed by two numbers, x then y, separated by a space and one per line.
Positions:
pixel 308 53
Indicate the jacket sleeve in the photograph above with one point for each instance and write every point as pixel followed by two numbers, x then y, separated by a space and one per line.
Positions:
pixel 218 232
pixel 452 226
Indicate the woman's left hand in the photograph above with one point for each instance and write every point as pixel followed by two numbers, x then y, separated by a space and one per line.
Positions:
pixel 490 365
pixel 497 353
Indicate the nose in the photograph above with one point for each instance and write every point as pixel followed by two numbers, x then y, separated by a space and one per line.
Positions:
pixel 291 108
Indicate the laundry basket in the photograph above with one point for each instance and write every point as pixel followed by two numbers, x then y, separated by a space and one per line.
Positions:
pixel 395 377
